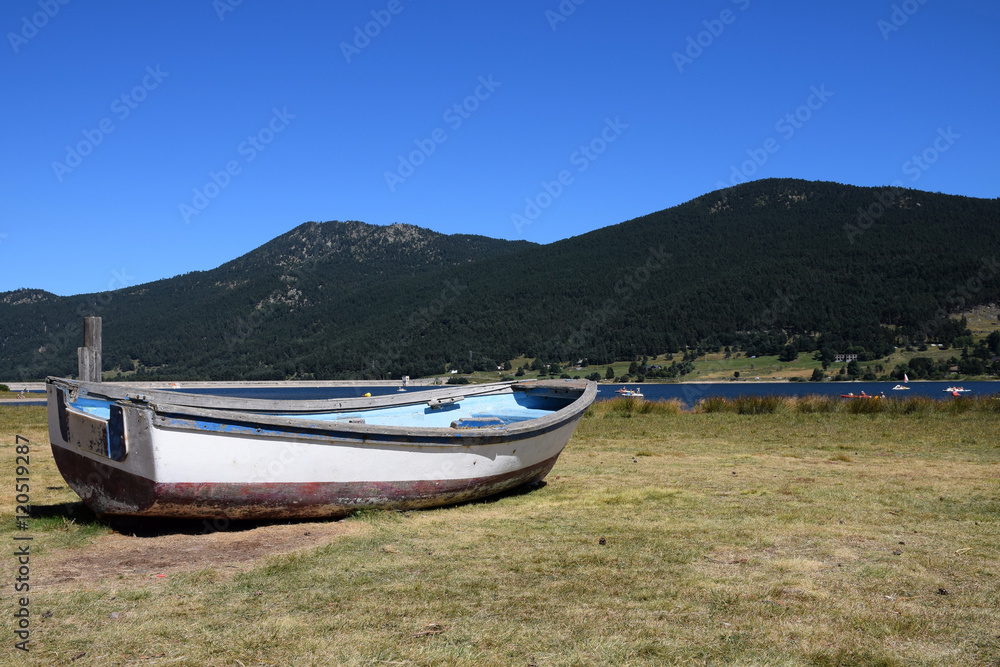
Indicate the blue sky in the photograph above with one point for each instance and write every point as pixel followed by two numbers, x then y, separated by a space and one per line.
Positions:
pixel 148 139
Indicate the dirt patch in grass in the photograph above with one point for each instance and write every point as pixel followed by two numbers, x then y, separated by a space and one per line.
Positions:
pixel 166 549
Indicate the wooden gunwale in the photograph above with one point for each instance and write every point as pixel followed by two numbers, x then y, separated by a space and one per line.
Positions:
pixel 186 418
pixel 138 394
pixel 175 416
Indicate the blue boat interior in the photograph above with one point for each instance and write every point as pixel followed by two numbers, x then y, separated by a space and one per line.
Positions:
pixel 471 412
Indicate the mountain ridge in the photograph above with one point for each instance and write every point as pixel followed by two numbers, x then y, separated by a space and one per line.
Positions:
pixel 754 265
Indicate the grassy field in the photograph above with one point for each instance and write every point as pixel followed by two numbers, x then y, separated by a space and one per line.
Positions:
pixel 661 537
pixel 715 367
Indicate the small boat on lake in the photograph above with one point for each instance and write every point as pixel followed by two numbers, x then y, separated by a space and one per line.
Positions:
pixel 630 392
pixel 900 387
pixel 861 395
pixel 133 451
pixel 957 390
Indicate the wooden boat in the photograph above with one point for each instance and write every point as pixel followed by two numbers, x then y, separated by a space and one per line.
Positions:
pixel 130 451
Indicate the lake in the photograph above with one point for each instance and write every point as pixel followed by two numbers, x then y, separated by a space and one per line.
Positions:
pixel 688 393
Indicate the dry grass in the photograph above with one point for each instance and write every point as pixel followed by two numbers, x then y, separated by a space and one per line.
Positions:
pixel 758 405
pixel 794 537
pixel 633 405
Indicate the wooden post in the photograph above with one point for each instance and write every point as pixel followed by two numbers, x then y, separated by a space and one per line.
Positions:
pixel 92 340
pixel 88 357
pixel 84 364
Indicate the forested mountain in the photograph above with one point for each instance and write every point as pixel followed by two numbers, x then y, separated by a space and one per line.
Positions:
pixel 756 266
pixel 198 323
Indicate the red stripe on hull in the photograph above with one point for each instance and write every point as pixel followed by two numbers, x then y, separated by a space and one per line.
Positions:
pixel 111 491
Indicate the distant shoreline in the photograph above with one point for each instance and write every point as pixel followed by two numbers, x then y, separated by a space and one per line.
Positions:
pixel 429 382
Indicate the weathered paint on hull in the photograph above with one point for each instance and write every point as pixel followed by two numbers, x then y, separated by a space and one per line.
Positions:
pixel 103 488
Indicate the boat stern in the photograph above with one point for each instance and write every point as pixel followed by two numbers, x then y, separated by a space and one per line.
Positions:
pixel 92 454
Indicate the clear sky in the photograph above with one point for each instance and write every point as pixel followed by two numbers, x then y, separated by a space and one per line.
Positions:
pixel 143 140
